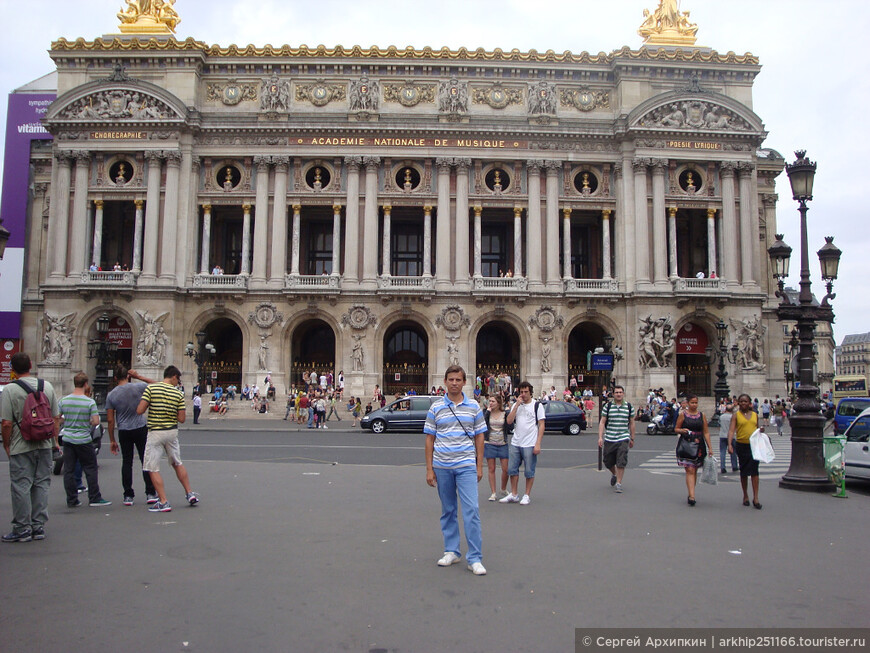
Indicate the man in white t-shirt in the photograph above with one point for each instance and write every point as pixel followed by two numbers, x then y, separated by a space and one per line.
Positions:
pixel 528 416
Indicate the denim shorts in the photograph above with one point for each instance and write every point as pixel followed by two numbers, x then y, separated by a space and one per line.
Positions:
pixel 524 455
pixel 495 450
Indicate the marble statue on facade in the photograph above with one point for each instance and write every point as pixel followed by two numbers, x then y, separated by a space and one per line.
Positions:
pixel 546 350
pixel 151 348
pixel 750 342
pixel 453 96
pixel 263 353
pixel 364 95
pixel 57 340
pixel 658 342
pixel 453 350
pixel 274 94
pixel 358 354
pixel 542 98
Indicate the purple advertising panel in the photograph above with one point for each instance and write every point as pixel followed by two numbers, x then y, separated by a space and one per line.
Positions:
pixel 22 126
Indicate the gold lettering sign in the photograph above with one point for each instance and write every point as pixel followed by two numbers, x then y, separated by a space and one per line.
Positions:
pixel 396 141
pixel 694 145
pixel 118 135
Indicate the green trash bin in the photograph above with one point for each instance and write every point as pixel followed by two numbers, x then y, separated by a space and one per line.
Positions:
pixel 835 462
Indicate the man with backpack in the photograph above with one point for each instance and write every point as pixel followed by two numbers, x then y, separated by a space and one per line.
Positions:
pixel 28 441
pixel 616 435
pixel 528 417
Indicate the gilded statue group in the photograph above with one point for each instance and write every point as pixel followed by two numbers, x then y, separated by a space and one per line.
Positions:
pixel 667 18
pixel 159 11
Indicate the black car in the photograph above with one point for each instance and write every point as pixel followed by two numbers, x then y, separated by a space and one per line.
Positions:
pixel 563 417
pixel 405 414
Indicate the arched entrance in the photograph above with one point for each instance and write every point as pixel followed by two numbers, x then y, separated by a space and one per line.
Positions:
pixel 498 351
pixel 585 338
pixel 406 359
pixel 225 366
pixel 312 348
pixel 693 368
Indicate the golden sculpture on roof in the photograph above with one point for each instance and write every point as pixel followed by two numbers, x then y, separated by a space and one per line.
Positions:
pixel 667 25
pixel 148 17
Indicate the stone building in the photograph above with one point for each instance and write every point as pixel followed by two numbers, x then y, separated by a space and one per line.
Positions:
pixel 853 355
pixel 387 212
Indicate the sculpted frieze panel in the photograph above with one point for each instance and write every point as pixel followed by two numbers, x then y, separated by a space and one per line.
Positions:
pixel 694 114
pixel 118 104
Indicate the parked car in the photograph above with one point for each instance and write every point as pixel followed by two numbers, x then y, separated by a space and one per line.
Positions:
pixel 563 417
pixel 857 451
pixel 848 409
pixel 405 414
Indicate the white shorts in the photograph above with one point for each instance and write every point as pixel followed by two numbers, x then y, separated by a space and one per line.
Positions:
pixel 156 444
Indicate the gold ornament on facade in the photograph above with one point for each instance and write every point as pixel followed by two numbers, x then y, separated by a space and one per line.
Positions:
pixel 409 95
pixel 667 25
pixel 584 98
pixel 148 17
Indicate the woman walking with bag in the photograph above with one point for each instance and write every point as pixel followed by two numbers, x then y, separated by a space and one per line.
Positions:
pixel 744 424
pixel 495 446
pixel 693 443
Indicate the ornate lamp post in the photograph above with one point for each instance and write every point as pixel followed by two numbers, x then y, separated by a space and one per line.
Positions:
pixel 807 468
pixel 200 354
pixel 104 353
pixel 721 389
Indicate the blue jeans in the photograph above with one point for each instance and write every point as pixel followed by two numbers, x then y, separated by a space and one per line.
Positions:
pixel 310 418
pixel 464 482
pixel 723 451
pixel 524 455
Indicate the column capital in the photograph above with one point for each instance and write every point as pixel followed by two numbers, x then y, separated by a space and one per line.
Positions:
pixel 173 157
pixel 98 204
pixel 427 209
pixel 387 208
pixel 139 204
pixel 659 166
pixel 552 167
pixel 744 168
pixel 246 208
pixel 617 169
pixel 64 157
pixel 534 165
pixel 353 163
pixel 371 163
pixel 605 214
pixel 281 163
pixel 462 163
pixel 640 165
pixel 297 208
pixel 518 212
pixel 336 208
pixel 727 168
pixel 152 156
pixel 262 161
pixel 711 214
pixel 443 164
pixel 769 200
pixel 206 207
pixel 478 210
pixel 82 157
pixel 566 213
pixel 672 211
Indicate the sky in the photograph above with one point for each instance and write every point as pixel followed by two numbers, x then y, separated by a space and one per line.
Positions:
pixel 811 92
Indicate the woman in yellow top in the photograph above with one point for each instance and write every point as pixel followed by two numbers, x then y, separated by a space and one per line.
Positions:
pixel 743 424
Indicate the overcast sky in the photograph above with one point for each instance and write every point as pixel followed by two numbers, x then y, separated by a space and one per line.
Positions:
pixel 811 93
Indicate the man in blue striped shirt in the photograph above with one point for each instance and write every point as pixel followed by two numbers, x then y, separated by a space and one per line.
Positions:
pixel 454 456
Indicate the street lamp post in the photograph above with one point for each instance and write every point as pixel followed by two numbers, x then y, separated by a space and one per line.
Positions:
pixel 200 355
pixel 721 389
pixel 103 352
pixel 807 467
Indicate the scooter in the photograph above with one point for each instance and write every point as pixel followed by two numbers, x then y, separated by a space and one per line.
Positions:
pixel 658 426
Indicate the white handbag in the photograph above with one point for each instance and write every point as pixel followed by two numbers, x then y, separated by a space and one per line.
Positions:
pixel 762 450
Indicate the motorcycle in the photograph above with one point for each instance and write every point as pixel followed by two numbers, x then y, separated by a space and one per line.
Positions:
pixel 658 426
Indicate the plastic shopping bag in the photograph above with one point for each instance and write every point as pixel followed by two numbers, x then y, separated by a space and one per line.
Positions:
pixel 710 472
pixel 762 450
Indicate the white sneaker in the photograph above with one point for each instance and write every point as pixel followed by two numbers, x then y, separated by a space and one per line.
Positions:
pixel 449 558
pixel 509 498
pixel 618 488
pixel 525 500
pixel 477 569
pixel 492 497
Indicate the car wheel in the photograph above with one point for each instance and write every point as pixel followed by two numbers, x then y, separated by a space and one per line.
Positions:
pixel 379 426
pixel 573 428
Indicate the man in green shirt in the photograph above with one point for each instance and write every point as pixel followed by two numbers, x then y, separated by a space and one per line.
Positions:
pixel 78 415
pixel 616 435
pixel 165 405
pixel 29 460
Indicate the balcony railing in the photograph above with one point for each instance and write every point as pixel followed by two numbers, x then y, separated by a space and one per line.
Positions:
pixel 121 278
pixel 699 285
pixel 316 283
pixel 501 284
pixel 389 282
pixel 590 286
pixel 221 281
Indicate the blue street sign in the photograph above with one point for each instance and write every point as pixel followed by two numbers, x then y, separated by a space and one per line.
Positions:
pixel 602 363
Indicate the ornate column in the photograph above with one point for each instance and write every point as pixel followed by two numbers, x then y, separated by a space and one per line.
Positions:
pixel 427 241
pixel 297 231
pixel 79 232
pixel 478 227
pixel 336 239
pixel 351 220
pixel 624 252
pixel 729 223
pixel 205 250
pixel 462 225
pixel 59 220
pixel 518 241
pixel 605 244
pixel 98 232
pixel 641 219
pixel 152 216
pixel 672 242
pixel 552 218
pixel 261 220
pixel 711 242
pixel 246 239
pixel 169 232
pixel 138 225
pixel 385 248
pixel 566 244
pixel 370 223
pixel 442 246
pixel 748 239
pixel 534 230
pixel 279 224
pixel 660 235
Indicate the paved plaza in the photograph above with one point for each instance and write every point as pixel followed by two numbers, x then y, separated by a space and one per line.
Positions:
pixel 314 557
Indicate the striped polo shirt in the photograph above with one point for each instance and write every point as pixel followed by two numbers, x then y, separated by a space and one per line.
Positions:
pixel 616 428
pixel 454 433
pixel 77 411
pixel 164 402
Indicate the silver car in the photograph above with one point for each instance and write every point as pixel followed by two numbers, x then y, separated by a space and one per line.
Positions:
pixel 857 451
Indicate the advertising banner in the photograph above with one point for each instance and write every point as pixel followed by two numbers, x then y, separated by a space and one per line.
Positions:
pixel 691 340
pixel 22 126
pixel 7 348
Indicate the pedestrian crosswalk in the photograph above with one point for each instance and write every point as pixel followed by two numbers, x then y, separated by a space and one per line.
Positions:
pixel 666 463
